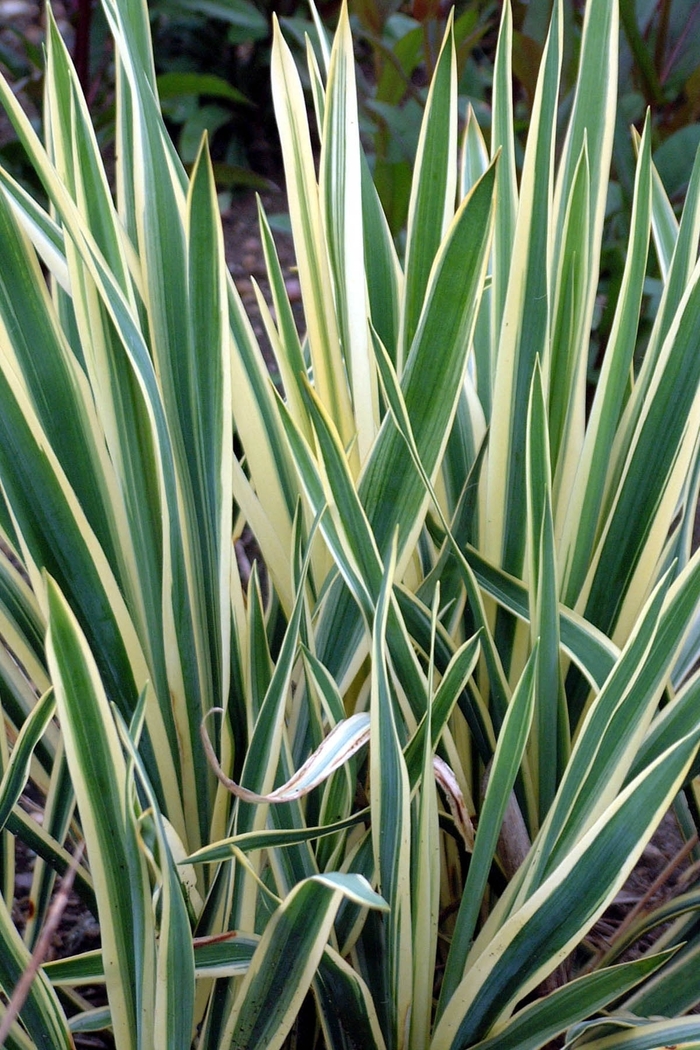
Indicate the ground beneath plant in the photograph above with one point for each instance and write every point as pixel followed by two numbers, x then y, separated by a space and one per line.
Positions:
pixel 246 262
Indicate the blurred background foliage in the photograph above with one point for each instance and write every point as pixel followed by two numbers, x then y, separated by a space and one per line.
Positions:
pixel 213 61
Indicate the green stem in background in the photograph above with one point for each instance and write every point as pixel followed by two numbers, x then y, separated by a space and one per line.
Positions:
pixel 383 53
pixel 653 92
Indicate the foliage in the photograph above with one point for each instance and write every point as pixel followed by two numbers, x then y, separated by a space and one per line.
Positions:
pixel 213 64
pixel 403 42
pixel 660 68
pixel 21 60
pixel 407 769
pixel 213 74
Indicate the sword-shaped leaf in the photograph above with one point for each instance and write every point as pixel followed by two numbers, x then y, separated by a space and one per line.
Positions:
pixel 391 828
pixel 524 332
pixel 538 935
pixel 330 377
pixel 102 787
pixel 433 190
pixel 504 770
pixel 550 743
pixel 284 963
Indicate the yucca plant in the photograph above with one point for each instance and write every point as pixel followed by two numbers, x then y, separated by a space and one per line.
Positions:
pixel 407 769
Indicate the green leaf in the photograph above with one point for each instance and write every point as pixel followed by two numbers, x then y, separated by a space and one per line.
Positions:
pixel 583 519
pixel 618 717
pixel 593 121
pixel 347 1013
pixel 384 277
pixel 502 139
pixel 624 1034
pixel 425 877
pixel 341 204
pixel 433 190
pixel 391 826
pixel 673 989
pixel 526 320
pixel 171 85
pixel 431 382
pixel 17 772
pixel 349 537
pixel 44 233
pixel 504 770
pixel 570 337
pixel 537 936
pixel 248 841
pixel 400 417
pixel 286 958
pixel 651 481
pixel 454 678
pixel 206 418
pixel 99 776
pixel 592 651
pixel 330 377
pixel 546 1018
pixel 175 965
pixel 550 743
pixel 249 22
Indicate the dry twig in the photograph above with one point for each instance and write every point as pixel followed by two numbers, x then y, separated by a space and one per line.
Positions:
pixel 43 945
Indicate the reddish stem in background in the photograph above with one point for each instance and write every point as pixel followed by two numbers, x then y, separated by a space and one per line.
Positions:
pixel 81 53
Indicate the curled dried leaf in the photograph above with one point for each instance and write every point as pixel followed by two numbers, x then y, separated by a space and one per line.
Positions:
pixel 344 741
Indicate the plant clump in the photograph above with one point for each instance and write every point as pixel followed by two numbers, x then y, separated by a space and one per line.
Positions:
pixel 381 800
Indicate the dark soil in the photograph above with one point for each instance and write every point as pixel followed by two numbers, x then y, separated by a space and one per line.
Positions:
pixel 245 258
pixel 78 931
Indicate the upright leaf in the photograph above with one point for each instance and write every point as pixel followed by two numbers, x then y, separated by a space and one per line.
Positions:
pixel 99 775
pixel 433 189
pixel 526 319
pixel 391 830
